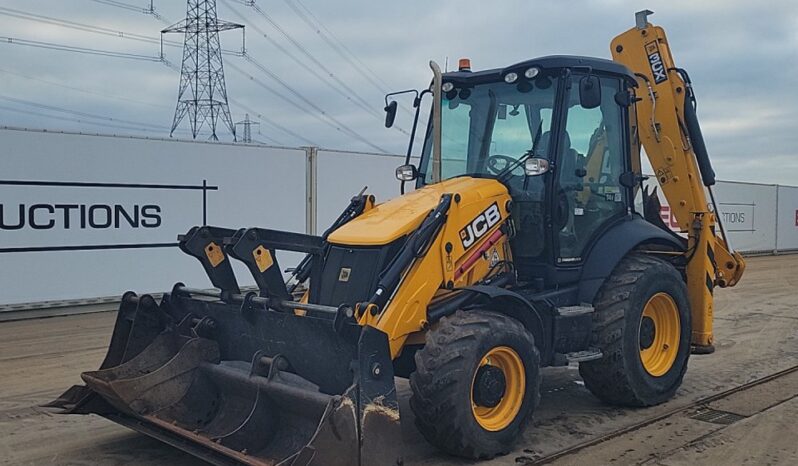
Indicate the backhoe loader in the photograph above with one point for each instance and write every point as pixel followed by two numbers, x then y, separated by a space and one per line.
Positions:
pixel 521 246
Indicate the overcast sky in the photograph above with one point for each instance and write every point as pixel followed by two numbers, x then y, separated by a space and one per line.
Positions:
pixel 742 56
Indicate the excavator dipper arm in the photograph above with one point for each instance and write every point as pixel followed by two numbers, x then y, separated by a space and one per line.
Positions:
pixel 668 130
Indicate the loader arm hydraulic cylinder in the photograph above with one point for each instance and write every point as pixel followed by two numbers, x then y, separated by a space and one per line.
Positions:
pixel 668 130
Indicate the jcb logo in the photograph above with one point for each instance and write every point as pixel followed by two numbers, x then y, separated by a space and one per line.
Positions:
pixel 655 61
pixel 477 228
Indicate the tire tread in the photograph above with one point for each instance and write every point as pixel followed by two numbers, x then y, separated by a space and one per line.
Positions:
pixel 440 416
pixel 608 378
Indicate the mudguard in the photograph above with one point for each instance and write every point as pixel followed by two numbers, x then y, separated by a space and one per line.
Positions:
pixel 626 235
pixel 520 308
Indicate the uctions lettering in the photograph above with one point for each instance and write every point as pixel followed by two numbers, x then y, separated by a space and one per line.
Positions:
pixel 78 216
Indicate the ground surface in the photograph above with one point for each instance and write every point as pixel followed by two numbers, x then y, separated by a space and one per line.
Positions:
pixel 757 335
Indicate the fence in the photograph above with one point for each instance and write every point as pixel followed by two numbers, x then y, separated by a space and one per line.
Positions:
pixel 88 216
pixel 758 218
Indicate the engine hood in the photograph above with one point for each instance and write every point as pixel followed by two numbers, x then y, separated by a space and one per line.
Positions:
pixel 399 216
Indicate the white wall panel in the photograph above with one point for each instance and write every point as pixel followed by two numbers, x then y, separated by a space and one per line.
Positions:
pixel 787 227
pixel 63 244
pixel 341 175
pixel 80 178
pixel 748 212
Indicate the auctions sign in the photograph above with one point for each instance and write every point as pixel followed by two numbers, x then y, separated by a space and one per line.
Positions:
pixel 60 215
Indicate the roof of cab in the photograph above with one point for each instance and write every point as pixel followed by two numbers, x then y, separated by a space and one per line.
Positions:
pixel 599 65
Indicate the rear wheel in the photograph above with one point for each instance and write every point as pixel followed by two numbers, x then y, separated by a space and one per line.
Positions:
pixel 642 326
pixel 477 381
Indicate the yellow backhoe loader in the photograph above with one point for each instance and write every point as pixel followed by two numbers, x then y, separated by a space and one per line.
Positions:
pixel 520 247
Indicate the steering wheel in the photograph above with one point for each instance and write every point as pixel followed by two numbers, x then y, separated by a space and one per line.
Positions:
pixel 498 163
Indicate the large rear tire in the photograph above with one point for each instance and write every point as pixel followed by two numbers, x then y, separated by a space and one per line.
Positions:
pixel 642 326
pixel 477 382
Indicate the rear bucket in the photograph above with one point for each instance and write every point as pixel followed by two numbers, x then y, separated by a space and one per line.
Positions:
pixel 261 388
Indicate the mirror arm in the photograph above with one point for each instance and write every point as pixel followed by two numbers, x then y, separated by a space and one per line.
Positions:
pixel 407 91
pixel 417 104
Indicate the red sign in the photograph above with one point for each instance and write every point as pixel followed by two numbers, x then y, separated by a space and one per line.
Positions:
pixel 670 220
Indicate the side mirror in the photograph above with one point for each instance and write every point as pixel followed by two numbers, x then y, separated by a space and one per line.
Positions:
pixel 590 91
pixel 390 113
pixel 534 166
pixel 406 172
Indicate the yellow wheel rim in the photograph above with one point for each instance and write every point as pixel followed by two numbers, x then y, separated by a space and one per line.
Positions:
pixel 659 334
pixel 495 418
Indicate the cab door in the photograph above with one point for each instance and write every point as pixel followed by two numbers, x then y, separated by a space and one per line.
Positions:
pixel 592 155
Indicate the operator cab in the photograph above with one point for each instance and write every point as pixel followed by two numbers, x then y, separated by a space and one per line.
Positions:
pixel 554 131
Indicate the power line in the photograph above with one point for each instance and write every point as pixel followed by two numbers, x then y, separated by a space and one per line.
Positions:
pixel 74 120
pixel 320 114
pixel 96 29
pixel 93 51
pixel 160 129
pixel 127 6
pixel 171 66
pixel 77 113
pixel 348 96
pixel 72 48
pixel 271 122
pixel 273 91
pixel 249 109
pixel 83 27
pixel 269 139
pixel 337 44
pixel 85 91
pixel 289 100
pixel 358 100
pixel 305 51
pixel 300 62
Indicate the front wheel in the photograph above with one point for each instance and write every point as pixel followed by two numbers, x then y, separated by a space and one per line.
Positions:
pixel 642 326
pixel 477 382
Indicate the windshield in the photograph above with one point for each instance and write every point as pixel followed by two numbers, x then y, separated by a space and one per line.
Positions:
pixel 488 127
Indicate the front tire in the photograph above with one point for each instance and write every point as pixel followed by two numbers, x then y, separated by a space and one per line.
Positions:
pixel 477 382
pixel 642 326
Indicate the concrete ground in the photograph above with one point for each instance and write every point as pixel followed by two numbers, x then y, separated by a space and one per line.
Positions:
pixel 756 326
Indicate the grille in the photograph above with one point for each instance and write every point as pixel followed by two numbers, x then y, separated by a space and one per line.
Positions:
pixel 716 416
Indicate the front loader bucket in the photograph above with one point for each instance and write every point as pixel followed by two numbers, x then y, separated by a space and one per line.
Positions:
pixel 233 385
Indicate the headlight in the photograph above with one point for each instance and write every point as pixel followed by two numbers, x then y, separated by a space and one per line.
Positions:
pixel 447 87
pixel 510 78
pixel 531 72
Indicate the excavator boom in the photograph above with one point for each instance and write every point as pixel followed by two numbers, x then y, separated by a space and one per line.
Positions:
pixel 668 130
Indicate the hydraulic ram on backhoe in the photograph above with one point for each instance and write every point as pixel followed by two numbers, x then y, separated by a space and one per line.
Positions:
pixel 675 147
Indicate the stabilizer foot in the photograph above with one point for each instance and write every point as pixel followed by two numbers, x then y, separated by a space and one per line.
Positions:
pixel 702 349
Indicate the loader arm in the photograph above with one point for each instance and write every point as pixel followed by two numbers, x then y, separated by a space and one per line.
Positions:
pixel 668 131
